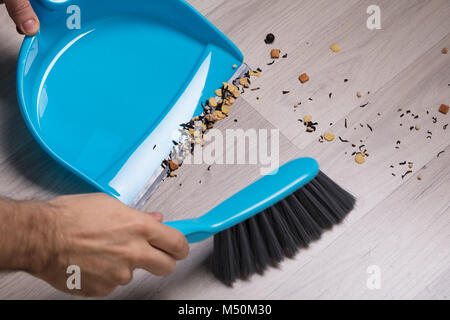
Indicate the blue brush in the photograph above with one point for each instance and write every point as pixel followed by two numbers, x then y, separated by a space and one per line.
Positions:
pixel 250 201
pixel 269 220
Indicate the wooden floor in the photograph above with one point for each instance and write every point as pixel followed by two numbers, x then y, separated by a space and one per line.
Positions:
pixel 402 226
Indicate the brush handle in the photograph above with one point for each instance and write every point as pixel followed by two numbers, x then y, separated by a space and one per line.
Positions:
pixel 250 201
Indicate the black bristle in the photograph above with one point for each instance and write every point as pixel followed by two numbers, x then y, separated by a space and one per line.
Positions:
pixel 224 249
pixel 301 236
pixel 259 250
pixel 280 231
pixel 316 209
pixel 270 239
pixel 283 233
pixel 313 230
pixel 246 260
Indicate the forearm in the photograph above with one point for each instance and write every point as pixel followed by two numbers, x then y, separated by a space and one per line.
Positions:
pixel 24 231
pixel 106 239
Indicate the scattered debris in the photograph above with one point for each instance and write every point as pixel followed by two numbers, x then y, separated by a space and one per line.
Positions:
pixel 214 109
pixel 244 81
pixel 329 137
pixel 440 153
pixel 275 53
pixel 303 78
pixel 359 94
pixel 174 165
pixel 310 126
pixel 212 102
pixel 444 50
pixel 444 108
pixel 270 38
pixel 364 105
pixel 406 173
pixel 419 177
pixel 335 47
pixel 307 119
pixel 360 158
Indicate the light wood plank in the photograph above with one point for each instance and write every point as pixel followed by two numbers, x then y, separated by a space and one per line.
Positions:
pixel 369 59
pixel 404 236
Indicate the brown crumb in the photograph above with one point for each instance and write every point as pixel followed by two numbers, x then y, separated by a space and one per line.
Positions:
pixel 417 128
pixel 444 51
pixel 419 177
pixel 234 66
pixel 275 53
pixel 174 165
pixel 444 108
pixel 359 94
pixel 303 78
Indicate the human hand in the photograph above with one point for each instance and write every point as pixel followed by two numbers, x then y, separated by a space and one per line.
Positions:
pixel 106 240
pixel 23 16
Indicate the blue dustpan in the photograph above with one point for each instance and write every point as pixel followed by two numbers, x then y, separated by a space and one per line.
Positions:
pixel 106 99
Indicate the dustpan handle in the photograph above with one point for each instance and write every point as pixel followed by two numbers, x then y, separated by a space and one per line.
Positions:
pixel 257 197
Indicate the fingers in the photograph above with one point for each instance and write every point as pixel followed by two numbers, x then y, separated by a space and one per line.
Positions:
pixel 23 16
pixel 155 261
pixel 168 240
